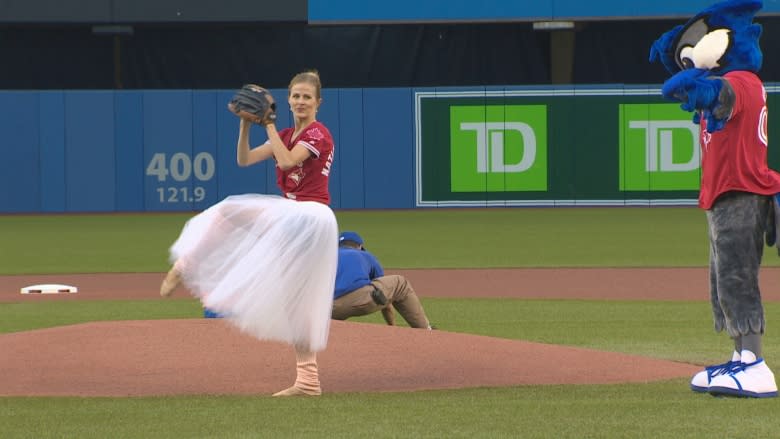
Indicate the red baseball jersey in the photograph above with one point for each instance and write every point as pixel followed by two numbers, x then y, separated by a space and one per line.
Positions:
pixel 734 158
pixel 308 181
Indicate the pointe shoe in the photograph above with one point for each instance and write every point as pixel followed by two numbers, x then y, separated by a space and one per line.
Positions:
pixel 170 283
pixel 297 391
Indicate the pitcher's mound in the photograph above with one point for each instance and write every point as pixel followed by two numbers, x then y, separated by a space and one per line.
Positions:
pixel 206 356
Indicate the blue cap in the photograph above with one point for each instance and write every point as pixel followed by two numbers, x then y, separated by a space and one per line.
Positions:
pixel 350 236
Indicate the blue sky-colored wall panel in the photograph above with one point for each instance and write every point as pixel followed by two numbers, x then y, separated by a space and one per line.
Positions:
pixel 328 114
pixel 348 164
pixel 413 11
pixel 340 11
pixel 19 145
pixel 90 178
pixel 389 148
pixel 203 190
pixel 51 119
pixel 129 150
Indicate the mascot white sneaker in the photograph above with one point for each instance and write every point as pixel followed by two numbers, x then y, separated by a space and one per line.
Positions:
pixel 750 378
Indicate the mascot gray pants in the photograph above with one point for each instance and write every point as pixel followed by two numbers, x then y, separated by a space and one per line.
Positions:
pixel 737 224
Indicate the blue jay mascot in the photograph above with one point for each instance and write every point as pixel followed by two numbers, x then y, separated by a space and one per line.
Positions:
pixel 714 59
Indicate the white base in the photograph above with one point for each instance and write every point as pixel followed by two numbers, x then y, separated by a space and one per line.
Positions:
pixel 49 289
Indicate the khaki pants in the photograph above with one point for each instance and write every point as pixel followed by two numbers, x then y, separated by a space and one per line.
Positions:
pixel 397 290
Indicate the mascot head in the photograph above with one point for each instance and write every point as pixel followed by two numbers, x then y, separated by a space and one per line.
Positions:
pixel 720 39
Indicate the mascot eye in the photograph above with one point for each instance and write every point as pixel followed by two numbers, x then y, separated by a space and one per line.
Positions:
pixel 686 57
pixel 711 48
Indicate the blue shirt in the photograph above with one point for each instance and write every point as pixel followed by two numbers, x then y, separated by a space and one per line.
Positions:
pixel 356 268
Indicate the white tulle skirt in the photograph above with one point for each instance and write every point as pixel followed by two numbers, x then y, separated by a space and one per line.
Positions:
pixel 266 263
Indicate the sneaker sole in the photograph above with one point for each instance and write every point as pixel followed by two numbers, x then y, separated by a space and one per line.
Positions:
pixel 698 389
pixel 726 391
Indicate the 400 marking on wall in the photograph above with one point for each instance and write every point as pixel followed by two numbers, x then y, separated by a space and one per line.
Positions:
pixel 181 169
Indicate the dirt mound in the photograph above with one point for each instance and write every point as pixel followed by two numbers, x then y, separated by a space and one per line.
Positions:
pixel 206 356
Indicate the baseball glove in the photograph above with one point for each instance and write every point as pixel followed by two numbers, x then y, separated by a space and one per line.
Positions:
pixel 254 103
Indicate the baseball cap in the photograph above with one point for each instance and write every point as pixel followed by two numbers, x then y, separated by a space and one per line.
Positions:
pixel 350 236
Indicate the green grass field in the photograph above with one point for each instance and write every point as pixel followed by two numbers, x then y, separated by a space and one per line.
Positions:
pixel 522 237
pixel 443 238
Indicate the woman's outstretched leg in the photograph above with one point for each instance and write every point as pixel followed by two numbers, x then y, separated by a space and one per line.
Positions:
pixel 226 219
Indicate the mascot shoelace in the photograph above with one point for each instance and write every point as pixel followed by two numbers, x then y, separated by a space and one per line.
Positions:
pixel 714 60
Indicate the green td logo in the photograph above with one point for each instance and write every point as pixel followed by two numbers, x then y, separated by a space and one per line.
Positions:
pixel 659 148
pixel 498 148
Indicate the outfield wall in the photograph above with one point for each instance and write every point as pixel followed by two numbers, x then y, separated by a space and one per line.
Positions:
pixel 174 150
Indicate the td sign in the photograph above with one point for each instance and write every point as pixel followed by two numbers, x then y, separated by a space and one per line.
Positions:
pixel 601 146
pixel 659 148
pixel 498 148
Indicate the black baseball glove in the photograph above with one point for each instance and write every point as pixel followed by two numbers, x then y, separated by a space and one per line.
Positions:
pixel 254 103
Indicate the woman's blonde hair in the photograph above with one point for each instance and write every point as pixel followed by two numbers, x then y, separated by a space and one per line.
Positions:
pixel 310 77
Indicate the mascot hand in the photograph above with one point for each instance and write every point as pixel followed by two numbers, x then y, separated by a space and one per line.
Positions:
pixel 699 91
pixel 714 123
pixel 693 87
pixel 660 50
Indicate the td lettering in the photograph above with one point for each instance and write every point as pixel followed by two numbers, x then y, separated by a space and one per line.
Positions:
pixel 659 145
pixel 490 142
